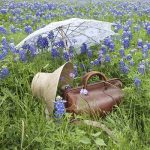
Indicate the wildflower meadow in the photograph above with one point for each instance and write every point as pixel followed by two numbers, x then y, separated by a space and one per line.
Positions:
pixel 126 55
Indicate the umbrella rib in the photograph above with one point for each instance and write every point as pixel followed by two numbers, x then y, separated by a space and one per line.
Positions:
pixel 85 35
pixel 77 27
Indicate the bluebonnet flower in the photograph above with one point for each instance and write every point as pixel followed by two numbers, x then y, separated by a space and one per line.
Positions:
pixel 83 48
pixel 131 62
pixel 126 28
pixel 107 58
pixel 28 29
pixel 125 69
pixel 140 43
pixel 4 72
pixel 103 49
pixel 22 54
pixel 2 30
pixel 122 52
pixel 107 41
pixel 145 51
pixel 66 55
pixel 4 42
pixel 129 57
pixel 12 29
pixel 59 44
pixel 126 43
pixel 12 48
pixel 148 30
pixel 32 50
pixel 71 52
pixel 96 62
pixel 137 82
pixel 42 42
pixel 89 53
pixel 148 44
pixel 59 107
pixel 51 35
pixel 129 35
pixel 54 53
pixel 3 11
pixel 141 68
pixel 124 34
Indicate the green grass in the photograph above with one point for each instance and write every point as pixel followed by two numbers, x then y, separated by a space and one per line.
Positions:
pixel 23 124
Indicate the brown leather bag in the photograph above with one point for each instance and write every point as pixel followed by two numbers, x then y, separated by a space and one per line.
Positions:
pixel 101 98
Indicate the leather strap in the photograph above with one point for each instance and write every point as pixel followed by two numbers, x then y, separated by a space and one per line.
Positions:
pixel 91 74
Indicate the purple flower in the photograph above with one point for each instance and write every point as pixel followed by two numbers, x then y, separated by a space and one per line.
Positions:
pixel 59 107
pixel 54 53
pixel 140 43
pixel 84 92
pixel 96 62
pixel 22 54
pixel 32 50
pixel 2 30
pixel 125 69
pixel 89 53
pixel 28 29
pixel 51 35
pixel 148 30
pixel 71 52
pixel 137 82
pixel 42 42
pixel 12 48
pixel 12 29
pixel 141 69
pixel 107 58
pixel 59 44
pixel 131 62
pixel 75 70
pixel 122 53
pixel 3 11
pixel 103 49
pixel 83 48
pixel 126 43
pixel 4 72
pixel 111 46
pixel 129 57
pixel 66 55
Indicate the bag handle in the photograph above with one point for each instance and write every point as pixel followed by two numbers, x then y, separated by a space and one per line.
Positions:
pixel 89 75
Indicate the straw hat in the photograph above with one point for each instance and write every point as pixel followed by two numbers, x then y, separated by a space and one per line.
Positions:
pixel 44 85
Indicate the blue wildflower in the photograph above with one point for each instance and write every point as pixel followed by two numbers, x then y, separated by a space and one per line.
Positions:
pixel 42 42
pixel 51 35
pixel 83 48
pixel 28 29
pixel 103 49
pixel 89 53
pixel 12 48
pixel 129 57
pixel 32 50
pixel 137 82
pixel 2 30
pixel 66 55
pixel 126 43
pixel 140 43
pixel 59 107
pixel 141 68
pixel 54 53
pixel 122 53
pixel 107 58
pixel 4 72
pixel 22 54
pixel 148 30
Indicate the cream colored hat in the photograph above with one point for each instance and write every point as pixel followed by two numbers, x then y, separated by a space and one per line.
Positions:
pixel 44 85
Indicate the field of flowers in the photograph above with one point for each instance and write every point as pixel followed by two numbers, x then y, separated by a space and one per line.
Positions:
pixel 127 56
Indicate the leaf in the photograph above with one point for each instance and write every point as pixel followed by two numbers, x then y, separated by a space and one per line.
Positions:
pixel 38 139
pixel 96 134
pixel 100 142
pixel 85 140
